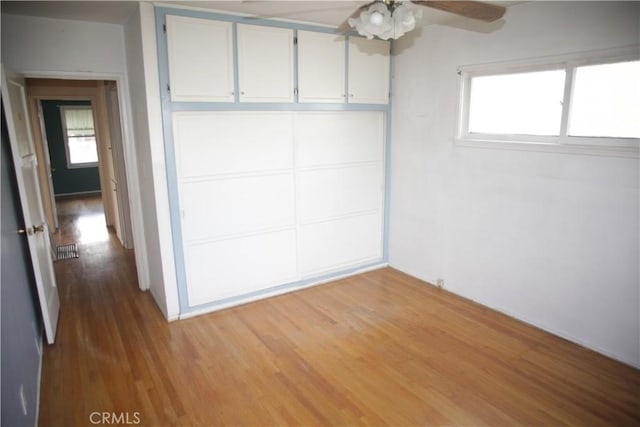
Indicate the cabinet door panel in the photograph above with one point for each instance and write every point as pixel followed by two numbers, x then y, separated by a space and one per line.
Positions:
pixel 321 67
pixel 265 64
pixel 368 71
pixel 200 53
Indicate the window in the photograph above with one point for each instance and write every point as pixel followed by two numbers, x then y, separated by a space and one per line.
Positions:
pixel 506 104
pixel 80 136
pixel 590 100
pixel 606 101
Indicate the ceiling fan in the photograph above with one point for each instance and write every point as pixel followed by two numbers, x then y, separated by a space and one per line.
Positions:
pixel 390 19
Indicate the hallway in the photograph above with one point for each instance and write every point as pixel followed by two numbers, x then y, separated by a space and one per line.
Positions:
pixel 101 306
pixel 104 266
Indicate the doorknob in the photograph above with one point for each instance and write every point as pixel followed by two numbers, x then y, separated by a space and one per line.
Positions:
pixel 32 230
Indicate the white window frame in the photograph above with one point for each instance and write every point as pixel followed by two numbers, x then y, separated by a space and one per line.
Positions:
pixel 563 142
pixel 66 136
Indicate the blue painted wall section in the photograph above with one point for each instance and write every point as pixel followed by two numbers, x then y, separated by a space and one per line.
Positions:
pixel 66 180
pixel 169 107
pixel 21 338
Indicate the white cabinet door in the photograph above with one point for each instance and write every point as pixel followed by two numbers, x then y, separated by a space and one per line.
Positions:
pixel 368 71
pixel 265 64
pixel 200 53
pixel 321 67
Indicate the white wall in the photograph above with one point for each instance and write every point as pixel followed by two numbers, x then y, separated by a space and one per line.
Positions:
pixel 552 239
pixel 43 44
pixel 44 47
pixel 144 82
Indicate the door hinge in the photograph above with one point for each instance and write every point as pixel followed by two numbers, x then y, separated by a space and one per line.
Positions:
pixel 168 88
pixel 164 28
pixel 295 91
pixel 295 40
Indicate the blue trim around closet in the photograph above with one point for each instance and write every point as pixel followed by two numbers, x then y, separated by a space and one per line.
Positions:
pixel 169 107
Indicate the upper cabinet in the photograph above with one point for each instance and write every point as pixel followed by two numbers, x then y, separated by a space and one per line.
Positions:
pixel 200 54
pixel 321 67
pixel 368 71
pixel 202 67
pixel 265 64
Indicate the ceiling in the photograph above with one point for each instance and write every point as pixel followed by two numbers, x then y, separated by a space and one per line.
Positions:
pixel 330 13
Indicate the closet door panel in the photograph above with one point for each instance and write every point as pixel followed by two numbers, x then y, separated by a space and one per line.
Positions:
pixel 332 245
pixel 228 207
pixel 236 190
pixel 330 193
pixel 228 268
pixel 338 138
pixel 214 143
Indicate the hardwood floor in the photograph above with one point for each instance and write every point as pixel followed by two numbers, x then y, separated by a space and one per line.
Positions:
pixel 380 348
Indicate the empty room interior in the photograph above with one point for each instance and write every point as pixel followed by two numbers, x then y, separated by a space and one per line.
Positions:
pixel 339 213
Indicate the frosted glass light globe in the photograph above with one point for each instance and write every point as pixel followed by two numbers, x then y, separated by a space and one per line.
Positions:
pixel 376 18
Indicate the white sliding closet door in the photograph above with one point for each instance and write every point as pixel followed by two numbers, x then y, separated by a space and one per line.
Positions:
pixel 270 198
pixel 340 189
pixel 237 199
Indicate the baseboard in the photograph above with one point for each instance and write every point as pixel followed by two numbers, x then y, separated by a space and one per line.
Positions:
pixel 279 290
pixel 78 194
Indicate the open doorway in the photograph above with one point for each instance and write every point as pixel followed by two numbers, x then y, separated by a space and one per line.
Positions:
pixel 71 142
pixel 73 150
pixel 78 139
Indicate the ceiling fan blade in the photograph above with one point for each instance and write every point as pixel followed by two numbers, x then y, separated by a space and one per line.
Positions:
pixel 345 27
pixel 470 9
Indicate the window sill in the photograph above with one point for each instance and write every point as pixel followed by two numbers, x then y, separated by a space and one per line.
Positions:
pixel 549 147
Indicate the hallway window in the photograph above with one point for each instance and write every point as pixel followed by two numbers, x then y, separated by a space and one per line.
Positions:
pixel 80 136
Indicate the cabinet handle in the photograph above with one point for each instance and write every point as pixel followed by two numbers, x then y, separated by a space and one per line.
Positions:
pixel 350 95
pixel 241 92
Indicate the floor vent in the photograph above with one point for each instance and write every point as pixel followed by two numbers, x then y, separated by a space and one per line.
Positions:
pixel 67 251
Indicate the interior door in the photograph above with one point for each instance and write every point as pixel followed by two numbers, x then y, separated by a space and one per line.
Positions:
pixel 47 167
pixel 36 229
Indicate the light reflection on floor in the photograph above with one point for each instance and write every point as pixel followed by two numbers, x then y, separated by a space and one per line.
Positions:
pixel 92 228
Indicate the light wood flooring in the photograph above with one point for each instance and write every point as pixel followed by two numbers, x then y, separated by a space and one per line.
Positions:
pixel 380 348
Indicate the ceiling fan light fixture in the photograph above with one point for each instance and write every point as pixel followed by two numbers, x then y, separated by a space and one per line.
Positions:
pixel 385 20
pixel 376 18
pixel 404 20
pixel 373 21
